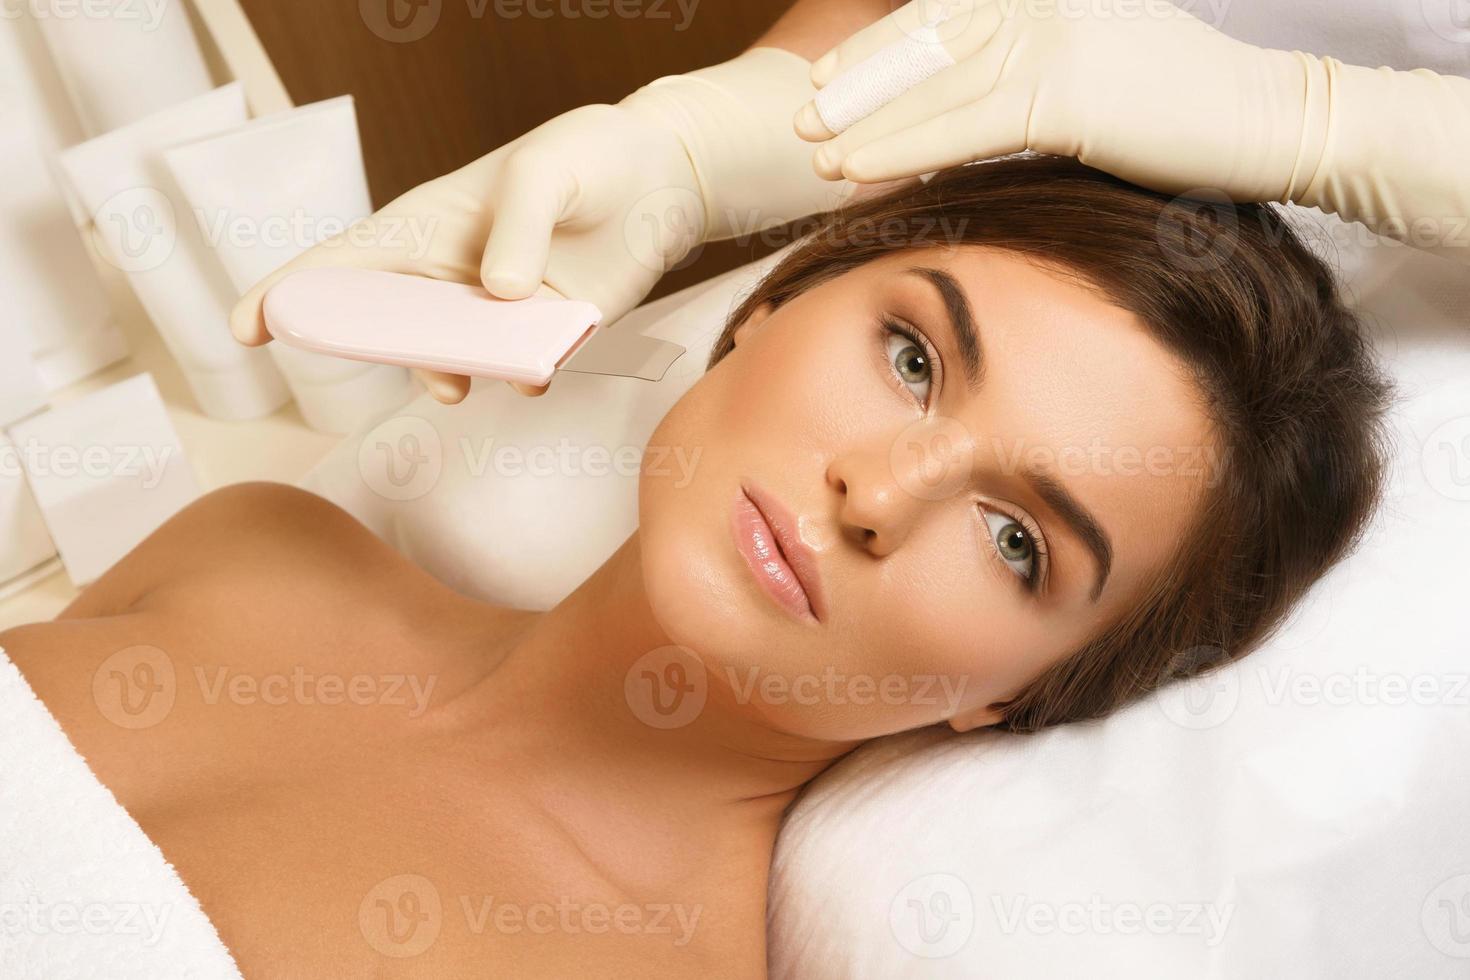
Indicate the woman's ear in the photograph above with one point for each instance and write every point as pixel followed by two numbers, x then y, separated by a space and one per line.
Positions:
pixel 758 316
pixel 982 717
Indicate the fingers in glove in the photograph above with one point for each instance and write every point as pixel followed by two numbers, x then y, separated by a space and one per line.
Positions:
pixel 965 26
pixel 992 127
pixel 450 389
pixel 531 196
pixel 960 85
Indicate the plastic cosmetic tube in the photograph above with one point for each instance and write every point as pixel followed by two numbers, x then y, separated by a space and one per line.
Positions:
pixel 267 191
pixel 146 230
pixel 55 308
pixel 122 60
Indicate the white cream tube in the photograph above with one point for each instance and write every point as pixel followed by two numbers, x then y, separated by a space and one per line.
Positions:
pixel 54 304
pixel 265 192
pixel 145 229
pixel 55 307
pixel 28 76
pixel 122 60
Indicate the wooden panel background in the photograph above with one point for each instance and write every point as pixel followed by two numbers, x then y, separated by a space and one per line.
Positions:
pixel 439 83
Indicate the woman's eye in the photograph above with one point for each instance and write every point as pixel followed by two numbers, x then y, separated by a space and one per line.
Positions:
pixel 1013 543
pixel 911 364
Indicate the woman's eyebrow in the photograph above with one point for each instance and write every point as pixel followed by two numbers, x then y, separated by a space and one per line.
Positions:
pixel 961 320
pixel 1081 521
pixel 1057 497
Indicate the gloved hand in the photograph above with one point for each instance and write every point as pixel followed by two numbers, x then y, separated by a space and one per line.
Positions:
pixel 1166 101
pixel 597 203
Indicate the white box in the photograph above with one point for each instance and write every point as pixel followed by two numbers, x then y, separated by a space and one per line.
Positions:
pixel 20 387
pixel 24 541
pixel 106 471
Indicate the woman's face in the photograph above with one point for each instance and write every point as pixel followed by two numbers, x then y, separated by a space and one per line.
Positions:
pixel 958 513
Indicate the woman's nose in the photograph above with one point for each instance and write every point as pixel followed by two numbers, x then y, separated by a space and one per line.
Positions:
pixel 875 512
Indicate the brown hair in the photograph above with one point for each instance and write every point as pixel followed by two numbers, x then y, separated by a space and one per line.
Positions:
pixel 1231 290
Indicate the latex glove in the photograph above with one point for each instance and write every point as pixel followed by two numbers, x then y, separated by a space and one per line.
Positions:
pixel 1157 97
pixel 597 203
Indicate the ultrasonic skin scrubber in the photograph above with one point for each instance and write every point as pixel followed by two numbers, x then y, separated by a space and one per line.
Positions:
pixel 391 318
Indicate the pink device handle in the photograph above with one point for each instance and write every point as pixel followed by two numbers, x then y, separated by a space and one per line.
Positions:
pixel 391 318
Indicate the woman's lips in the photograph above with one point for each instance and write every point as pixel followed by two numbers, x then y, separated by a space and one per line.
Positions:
pixel 783 565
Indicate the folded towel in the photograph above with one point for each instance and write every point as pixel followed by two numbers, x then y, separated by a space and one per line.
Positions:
pixel 83 891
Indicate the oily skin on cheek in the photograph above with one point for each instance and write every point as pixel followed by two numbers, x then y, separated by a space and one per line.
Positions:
pixel 803 408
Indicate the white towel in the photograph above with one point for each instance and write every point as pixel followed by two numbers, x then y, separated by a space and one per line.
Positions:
pixel 83 892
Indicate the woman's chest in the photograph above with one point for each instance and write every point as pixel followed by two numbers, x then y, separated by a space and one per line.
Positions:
pixel 395 872
pixel 308 793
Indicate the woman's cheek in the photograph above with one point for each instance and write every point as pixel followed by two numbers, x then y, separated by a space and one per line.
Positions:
pixel 812 373
pixel 934 613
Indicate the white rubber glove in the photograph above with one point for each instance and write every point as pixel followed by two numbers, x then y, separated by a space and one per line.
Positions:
pixel 597 203
pixel 1157 97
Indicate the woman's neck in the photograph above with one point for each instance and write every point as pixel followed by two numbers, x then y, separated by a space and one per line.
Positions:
pixel 670 748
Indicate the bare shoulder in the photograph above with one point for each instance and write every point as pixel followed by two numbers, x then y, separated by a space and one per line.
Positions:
pixel 267 533
pixel 251 591
pixel 255 575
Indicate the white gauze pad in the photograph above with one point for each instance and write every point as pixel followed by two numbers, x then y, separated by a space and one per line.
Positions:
pixel 882 77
